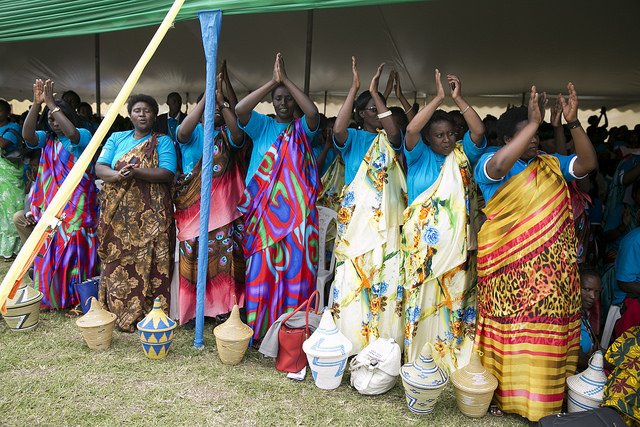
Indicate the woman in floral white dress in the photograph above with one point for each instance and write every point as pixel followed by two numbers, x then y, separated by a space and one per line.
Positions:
pixel 367 295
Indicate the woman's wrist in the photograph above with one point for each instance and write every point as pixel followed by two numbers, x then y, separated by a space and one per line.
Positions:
pixel 573 124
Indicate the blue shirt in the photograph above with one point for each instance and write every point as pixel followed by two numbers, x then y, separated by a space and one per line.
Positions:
pixel 89 125
pixel 172 126
pixel 353 151
pixel 424 164
pixel 264 131
pixel 191 149
pixel 586 340
pixel 492 148
pixel 11 132
pixel 331 156
pixel 627 263
pixel 489 186
pixel 625 166
pixel 75 149
pixel 120 143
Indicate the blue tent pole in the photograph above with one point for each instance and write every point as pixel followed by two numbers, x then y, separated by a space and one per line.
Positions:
pixel 210 22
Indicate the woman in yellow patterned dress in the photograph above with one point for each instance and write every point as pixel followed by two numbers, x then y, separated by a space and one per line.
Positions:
pixel 528 285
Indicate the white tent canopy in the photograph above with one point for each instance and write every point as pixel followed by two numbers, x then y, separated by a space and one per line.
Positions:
pixel 498 48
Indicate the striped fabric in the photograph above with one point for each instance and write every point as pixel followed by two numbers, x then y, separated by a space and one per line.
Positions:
pixel 529 290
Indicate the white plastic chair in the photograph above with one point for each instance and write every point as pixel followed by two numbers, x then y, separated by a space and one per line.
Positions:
pixel 612 317
pixel 325 216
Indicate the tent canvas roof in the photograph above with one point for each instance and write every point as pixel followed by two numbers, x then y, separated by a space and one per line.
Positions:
pixel 497 47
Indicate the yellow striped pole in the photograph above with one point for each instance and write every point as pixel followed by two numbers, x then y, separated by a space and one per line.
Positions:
pixel 49 219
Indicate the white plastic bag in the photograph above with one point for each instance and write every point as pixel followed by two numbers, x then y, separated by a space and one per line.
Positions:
pixel 376 368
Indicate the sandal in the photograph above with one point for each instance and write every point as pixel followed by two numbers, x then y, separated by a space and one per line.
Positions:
pixel 495 411
pixel 74 312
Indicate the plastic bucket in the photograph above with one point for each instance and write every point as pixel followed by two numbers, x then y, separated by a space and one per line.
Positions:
pixel 86 290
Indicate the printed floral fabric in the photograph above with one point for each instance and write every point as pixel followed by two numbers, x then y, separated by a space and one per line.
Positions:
pixel 227 186
pixel 440 296
pixel 137 241
pixel 11 201
pixel 226 264
pixel 331 197
pixel 332 186
pixel 622 390
pixel 368 292
pixel 225 272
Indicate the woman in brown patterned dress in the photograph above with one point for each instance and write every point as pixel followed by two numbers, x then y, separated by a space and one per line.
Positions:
pixel 136 231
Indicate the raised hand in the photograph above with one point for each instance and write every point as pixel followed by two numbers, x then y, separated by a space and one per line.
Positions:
pixel 276 69
pixel 439 87
pixel 49 95
pixel 219 93
pixel 281 72
pixel 542 104
pixel 570 105
pixel 223 68
pixel 556 113
pixel 397 87
pixel 355 83
pixel 390 84
pixel 375 81
pixel 534 113
pixel 38 92
pixel 454 84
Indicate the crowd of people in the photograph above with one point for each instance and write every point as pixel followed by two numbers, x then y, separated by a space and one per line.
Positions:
pixel 511 236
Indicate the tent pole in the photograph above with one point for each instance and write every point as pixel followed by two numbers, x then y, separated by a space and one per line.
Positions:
pixel 307 62
pixel 96 39
pixel 325 103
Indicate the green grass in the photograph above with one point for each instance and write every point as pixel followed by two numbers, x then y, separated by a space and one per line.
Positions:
pixel 50 377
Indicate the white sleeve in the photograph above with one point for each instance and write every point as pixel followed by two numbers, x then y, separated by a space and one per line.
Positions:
pixel 485 170
pixel 571 169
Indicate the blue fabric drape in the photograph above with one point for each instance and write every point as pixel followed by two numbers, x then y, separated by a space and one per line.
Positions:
pixel 210 22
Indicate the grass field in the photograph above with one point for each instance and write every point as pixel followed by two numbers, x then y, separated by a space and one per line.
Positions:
pixel 50 377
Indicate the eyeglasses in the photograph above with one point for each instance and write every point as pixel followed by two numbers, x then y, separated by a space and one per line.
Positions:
pixel 373 109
